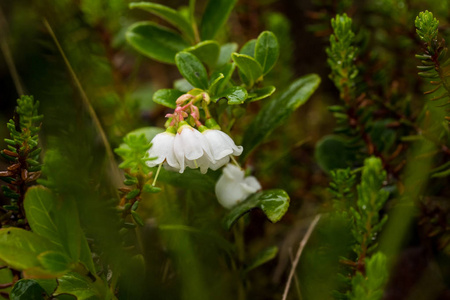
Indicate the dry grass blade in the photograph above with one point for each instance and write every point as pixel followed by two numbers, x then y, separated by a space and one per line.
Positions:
pixel 298 254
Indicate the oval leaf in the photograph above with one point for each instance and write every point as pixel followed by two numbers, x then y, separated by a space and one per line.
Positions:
pixel 258 94
pixel 206 51
pixel 192 69
pixel 274 203
pixel 155 41
pixel 215 15
pixel 227 71
pixel 167 97
pixel 27 289
pixel 234 95
pixel 81 286
pixel 250 68
pixel 169 14
pixel 267 50
pixel 225 54
pixel 55 262
pixel 275 112
pixel 249 48
pixel 20 248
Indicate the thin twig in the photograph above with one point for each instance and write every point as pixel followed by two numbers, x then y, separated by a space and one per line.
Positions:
pixel 298 254
pixel 8 56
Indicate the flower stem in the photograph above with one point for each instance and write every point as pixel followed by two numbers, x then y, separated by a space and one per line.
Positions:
pixel 157 173
pixel 235 161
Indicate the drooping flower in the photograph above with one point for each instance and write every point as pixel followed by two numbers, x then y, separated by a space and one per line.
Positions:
pixel 162 148
pixel 233 187
pixel 192 149
pixel 222 146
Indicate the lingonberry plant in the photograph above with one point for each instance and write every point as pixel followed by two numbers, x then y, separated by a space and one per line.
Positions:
pixel 180 156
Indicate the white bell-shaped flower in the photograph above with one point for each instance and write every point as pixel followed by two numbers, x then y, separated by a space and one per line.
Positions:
pixel 222 146
pixel 192 150
pixel 162 149
pixel 233 187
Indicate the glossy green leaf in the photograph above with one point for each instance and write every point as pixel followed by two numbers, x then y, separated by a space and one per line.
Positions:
pixel 27 289
pixel 261 93
pixel 262 257
pixel 169 14
pixel 55 262
pixel 155 41
pixel 267 50
pixel 206 51
pixel 225 54
pixel 214 17
pixel 274 203
pixel 333 153
pixel 249 67
pixel 227 71
pixel 249 48
pixel 192 69
pixel 275 112
pixel 20 248
pixel 167 97
pixel 234 95
pixel 83 287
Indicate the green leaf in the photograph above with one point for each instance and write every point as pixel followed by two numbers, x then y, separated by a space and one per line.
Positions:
pixel 267 50
pixel 275 112
pixel 190 179
pixel 192 69
pixel 55 262
pixel 261 93
pixel 6 276
pixel 225 54
pixel 82 287
pixel 167 97
pixel 262 257
pixel 54 219
pixel 27 289
pixel 149 132
pixel 169 14
pixel 227 71
pixel 206 51
pixel 234 95
pixel 215 15
pixel 249 48
pixel 333 153
pixel 20 248
pixel 274 203
pixel 157 42
pixel 249 67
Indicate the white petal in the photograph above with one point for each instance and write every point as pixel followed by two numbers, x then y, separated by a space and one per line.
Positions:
pixel 161 149
pixel 234 172
pixel 219 163
pixel 232 187
pixel 251 184
pixel 221 144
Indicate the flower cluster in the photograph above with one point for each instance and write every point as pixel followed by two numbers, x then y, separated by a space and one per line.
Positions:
pixel 233 187
pixel 181 145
